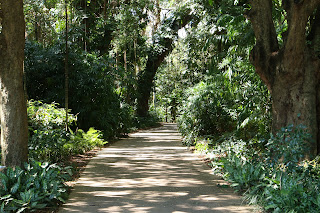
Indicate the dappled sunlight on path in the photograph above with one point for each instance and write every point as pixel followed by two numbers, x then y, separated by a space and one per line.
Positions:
pixel 150 172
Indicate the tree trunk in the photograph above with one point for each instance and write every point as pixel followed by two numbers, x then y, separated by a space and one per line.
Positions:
pixel 145 79
pixel 14 125
pixel 294 96
pixel 146 76
pixel 66 71
pixel 291 72
pixel 105 9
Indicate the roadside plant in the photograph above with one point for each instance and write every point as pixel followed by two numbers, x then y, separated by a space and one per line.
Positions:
pixel 49 141
pixel 36 186
pixel 207 112
pixel 278 177
pixel 80 141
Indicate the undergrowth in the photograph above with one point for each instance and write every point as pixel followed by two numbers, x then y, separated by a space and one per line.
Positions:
pixel 277 178
pixel 49 141
pixel 36 186
pixel 41 183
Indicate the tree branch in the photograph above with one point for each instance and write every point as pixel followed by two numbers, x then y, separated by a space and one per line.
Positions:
pixel 299 12
pixel 261 18
pixel 267 45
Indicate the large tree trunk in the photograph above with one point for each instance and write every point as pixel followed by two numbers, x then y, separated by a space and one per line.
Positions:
pixel 294 96
pixel 291 72
pixel 13 112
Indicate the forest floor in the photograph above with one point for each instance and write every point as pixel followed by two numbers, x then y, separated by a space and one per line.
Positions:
pixel 151 172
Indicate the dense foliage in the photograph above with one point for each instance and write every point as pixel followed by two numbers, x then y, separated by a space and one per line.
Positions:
pixel 207 112
pixel 225 110
pixel 93 96
pixel 273 177
pixel 41 183
pixel 219 108
pixel 37 186
pixel 49 140
pixel 107 48
pixel 210 79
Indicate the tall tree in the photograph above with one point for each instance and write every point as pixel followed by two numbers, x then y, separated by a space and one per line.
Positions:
pixel 146 76
pixel 162 47
pixel 66 69
pixel 13 112
pixel 290 69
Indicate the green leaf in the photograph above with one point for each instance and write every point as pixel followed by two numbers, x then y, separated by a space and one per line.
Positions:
pixel 10 173
pixel 40 206
pixel 44 185
pixel 4 181
pixel 26 196
pixel 19 202
pixel 27 166
pixel 3 176
pixel 2 207
pixel 210 2
pixel 22 209
pixel 15 188
pixel 52 196
pixel 34 204
pixel 37 184
pixel 61 199
pixel 5 197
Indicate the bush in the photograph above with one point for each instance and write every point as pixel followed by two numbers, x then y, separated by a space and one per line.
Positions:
pixel 207 112
pixel 48 145
pixel 81 142
pixel 47 116
pixel 40 185
pixel 278 178
pixel 235 154
pixel 37 186
pixel 49 141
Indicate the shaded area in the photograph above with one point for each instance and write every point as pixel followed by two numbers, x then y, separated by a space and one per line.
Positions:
pixel 150 172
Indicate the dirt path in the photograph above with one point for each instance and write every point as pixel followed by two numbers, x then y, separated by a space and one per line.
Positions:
pixel 150 172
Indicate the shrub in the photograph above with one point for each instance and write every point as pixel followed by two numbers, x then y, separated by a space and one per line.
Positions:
pixel 37 186
pixel 49 141
pixel 81 142
pixel 47 116
pixel 239 164
pixel 48 145
pixel 278 179
pixel 151 120
pixel 207 112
